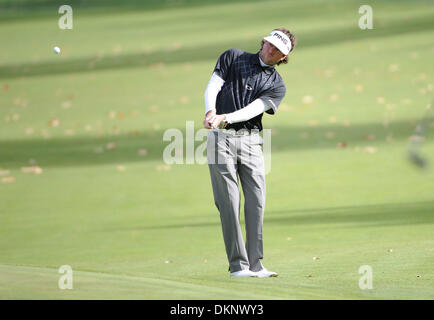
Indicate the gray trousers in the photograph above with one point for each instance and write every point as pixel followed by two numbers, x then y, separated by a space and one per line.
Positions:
pixel 231 157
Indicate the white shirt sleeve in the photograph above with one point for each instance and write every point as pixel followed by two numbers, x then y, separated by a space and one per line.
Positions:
pixel 250 111
pixel 215 84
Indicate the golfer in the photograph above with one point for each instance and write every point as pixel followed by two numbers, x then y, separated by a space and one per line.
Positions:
pixel 242 87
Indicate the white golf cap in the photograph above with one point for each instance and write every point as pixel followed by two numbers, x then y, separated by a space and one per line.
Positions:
pixel 280 41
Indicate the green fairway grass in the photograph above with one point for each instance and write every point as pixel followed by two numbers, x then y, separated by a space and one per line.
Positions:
pixel 341 192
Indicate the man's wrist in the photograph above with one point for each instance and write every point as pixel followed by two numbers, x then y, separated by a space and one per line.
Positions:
pixel 209 110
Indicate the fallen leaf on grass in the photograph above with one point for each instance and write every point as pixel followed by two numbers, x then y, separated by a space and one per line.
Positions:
pixel 163 167
pixel 307 100
pixel 111 146
pixel 8 179
pixel 69 132
pixel 45 134
pixel 54 122
pixel 328 73
pixel 285 107
pixel 120 168
pixel 333 97
pixel 117 49
pixel 4 172
pixel 37 170
pixel 154 109
pixel 393 68
pixel 380 100
pixel 358 88
pixel 313 123
pixel 370 137
pixel 414 55
pixel 133 133
pixel 422 91
pixel 370 149
pixel 66 104
pixel 32 169
pixel 184 99
pixel 21 102
pixel 142 152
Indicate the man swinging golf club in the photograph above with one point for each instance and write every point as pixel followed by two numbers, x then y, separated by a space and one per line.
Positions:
pixel 242 87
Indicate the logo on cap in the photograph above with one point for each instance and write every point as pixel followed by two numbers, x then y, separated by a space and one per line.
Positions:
pixel 285 41
pixel 280 40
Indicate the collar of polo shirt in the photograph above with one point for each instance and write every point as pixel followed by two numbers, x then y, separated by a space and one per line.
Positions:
pixel 280 40
pixel 257 60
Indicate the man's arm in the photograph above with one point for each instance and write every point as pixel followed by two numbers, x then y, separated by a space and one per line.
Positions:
pixel 215 84
pixel 250 111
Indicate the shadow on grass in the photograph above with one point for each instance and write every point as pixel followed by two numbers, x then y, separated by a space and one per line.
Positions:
pixel 209 52
pixel 369 215
pixel 124 148
pixel 14 9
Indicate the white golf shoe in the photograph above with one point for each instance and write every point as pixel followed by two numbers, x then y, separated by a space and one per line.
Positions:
pixel 243 274
pixel 264 273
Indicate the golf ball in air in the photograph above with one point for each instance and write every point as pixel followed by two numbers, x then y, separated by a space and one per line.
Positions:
pixel 56 50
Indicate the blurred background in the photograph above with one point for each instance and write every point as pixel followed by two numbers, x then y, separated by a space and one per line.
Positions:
pixel 83 181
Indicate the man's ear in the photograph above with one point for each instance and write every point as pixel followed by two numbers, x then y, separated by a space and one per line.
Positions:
pixel 283 58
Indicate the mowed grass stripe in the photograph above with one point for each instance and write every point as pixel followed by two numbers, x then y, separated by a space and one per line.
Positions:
pixel 42 283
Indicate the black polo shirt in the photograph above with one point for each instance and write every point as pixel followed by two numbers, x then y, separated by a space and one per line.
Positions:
pixel 245 81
